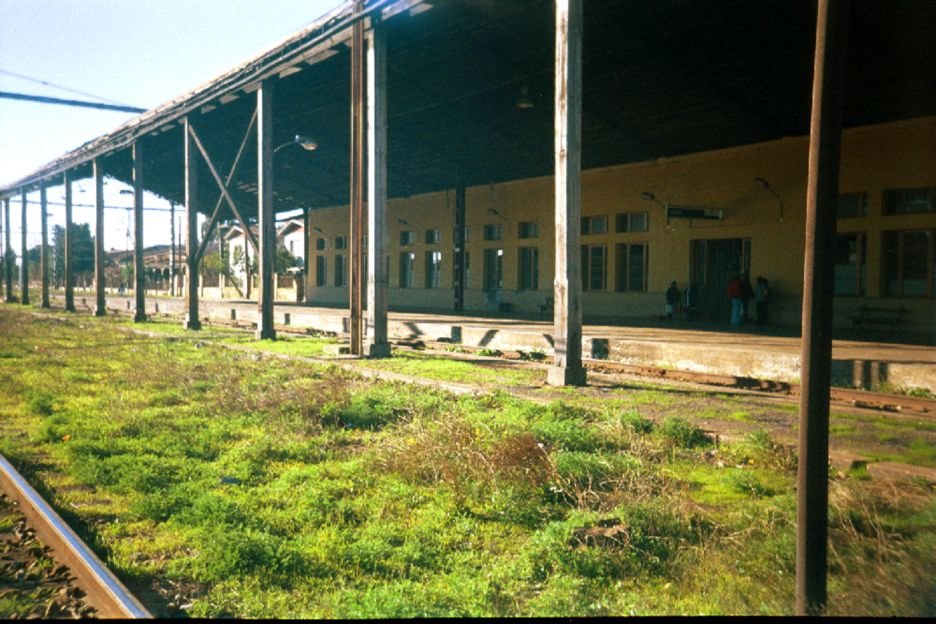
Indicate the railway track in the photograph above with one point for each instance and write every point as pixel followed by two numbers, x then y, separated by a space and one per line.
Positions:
pixel 104 595
pixel 887 403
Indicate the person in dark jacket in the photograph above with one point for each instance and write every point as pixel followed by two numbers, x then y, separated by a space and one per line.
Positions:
pixel 672 300
pixel 761 299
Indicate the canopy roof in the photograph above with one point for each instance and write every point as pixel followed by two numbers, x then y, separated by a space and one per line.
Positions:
pixel 661 78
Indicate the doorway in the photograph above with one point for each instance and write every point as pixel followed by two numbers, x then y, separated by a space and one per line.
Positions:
pixel 712 265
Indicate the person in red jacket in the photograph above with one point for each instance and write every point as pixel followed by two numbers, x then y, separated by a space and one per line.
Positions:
pixel 734 294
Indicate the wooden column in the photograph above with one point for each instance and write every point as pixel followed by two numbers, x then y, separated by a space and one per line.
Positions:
pixel 100 308
pixel 24 258
pixel 460 251
pixel 378 284
pixel 7 253
pixel 172 250
pixel 567 289
pixel 358 103
pixel 191 231
pixel 139 277
pixel 44 252
pixel 69 276
pixel 265 210
pixel 307 251
pixel 248 275
pixel 818 275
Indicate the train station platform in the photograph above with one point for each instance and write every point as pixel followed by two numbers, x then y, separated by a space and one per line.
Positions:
pixel 770 353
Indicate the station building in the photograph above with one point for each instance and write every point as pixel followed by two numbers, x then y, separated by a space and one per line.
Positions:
pixel 558 157
pixel 754 202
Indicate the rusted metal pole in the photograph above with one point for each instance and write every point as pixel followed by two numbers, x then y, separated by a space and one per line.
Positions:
pixel 378 282
pixel 192 320
pixel 69 276
pixel 567 366
pixel 100 308
pixel 44 251
pixel 139 276
pixel 460 228
pixel 7 253
pixel 265 209
pixel 24 258
pixel 355 282
pixel 816 350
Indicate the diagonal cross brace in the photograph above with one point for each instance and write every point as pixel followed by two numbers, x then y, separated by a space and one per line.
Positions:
pixel 227 184
pixel 224 191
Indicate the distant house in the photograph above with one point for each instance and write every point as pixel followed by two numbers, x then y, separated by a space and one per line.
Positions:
pixel 291 235
pixel 239 250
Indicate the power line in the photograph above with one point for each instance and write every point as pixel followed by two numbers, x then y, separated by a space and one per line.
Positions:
pixel 50 100
pixel 74 205
pixel 55 86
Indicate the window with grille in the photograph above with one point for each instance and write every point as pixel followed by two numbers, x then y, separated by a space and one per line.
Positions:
pixel 630 267
pixel 594 225
pixel 594 267
pixel 631 222
pixel 528 266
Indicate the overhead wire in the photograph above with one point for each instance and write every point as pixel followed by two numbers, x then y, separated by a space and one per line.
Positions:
pixel 63 88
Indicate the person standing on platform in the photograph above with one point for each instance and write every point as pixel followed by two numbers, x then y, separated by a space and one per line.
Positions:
pixel 734 294
pixel 747 293
pixel 672 300
pixel 761 300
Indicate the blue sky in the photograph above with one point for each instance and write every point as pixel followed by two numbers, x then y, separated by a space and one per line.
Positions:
pixel 136 52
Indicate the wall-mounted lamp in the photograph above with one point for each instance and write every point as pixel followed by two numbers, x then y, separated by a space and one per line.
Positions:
pixel 302 141
pixel 317 229
pixel 402 222
pixel 493 212
pixel 651 197
pixel 764 184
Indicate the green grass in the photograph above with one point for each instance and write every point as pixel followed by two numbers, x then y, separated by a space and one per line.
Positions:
pixel 247 486
pixel 456 371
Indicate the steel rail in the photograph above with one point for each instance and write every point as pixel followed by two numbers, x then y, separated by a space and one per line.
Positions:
pixel 104 590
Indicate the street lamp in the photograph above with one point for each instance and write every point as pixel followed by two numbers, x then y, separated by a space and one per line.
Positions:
pixel 306 143
pixel 764 184
pixel 651 197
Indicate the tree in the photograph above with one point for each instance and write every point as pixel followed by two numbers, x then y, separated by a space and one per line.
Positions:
pixel 82 250
pixel 284 259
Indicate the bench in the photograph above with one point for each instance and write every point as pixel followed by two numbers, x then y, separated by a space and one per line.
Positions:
pixel 872 315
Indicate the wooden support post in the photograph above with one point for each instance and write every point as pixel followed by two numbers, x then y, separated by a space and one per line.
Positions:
pixel 265 211
pixel 460 251
pixel 222 185
pixel 248 274
pixel 378 282
pixel 191 232
pixel 44 250
pixel 8 253
pixel 822 183
pixel 307 253
pixel 139 277
pixel 225 192
pixel 172 250
pixel 100 308
pixel 567 366
pixel 24 258
pixel 69 275
pixel 357 179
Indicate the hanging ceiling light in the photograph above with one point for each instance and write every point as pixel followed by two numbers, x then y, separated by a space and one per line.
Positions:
pixel 524 102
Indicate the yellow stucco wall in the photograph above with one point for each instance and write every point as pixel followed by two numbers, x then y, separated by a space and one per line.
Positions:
pixel 874 158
